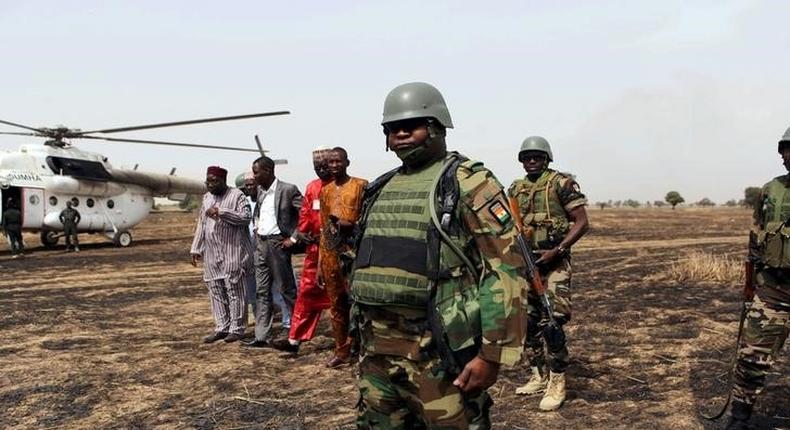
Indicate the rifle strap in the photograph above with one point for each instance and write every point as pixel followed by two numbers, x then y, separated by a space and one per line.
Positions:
pixel 447 180
pixel 733 362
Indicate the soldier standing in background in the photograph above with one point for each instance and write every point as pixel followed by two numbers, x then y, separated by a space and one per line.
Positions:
pixel 12 227
pixel 768 319
pixel 437 295
pixel 553 213
pixel 69 217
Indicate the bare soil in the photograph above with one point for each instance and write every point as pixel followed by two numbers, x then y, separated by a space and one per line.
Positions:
pixel 110 338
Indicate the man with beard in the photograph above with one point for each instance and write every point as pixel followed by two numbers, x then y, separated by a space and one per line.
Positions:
pixel 340 204
pixel 311 299
pixel 222 242
pixel 767 322
pixel 436 285
pixel 553 213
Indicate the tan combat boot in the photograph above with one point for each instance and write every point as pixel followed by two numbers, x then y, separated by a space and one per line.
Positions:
pixel 536 384
pixel 555 392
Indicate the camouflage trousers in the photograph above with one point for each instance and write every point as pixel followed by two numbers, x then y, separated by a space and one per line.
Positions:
pixel 397 393
pixel 557 279
pixel 764 333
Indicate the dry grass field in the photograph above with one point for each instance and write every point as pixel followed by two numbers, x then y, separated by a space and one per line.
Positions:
pixel 110 338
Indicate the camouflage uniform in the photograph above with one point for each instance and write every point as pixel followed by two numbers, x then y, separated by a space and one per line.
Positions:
pixel 545 203
pixel 768 319
pixel 405 381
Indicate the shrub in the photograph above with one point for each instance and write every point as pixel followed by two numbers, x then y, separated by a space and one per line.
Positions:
pixel 699 266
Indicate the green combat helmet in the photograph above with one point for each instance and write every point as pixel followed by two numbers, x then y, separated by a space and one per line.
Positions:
pixel 536 143
pixel 240 181
pixel 785 139
pixel 416 100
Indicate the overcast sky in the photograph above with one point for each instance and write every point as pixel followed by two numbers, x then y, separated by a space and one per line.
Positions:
pixel 636 98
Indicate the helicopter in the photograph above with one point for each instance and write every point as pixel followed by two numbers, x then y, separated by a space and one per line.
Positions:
pixel 40 179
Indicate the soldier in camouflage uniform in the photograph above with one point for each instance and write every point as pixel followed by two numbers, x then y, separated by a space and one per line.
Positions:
pixel 437 304
pixel 768 319
pixel 554 216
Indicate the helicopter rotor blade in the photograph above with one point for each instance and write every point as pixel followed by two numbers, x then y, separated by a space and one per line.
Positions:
pixel 260 147
pixel 19 134
pixel 37 130
pixel 178 123
pixel 158 142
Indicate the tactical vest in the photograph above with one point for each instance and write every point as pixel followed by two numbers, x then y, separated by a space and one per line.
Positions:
pixel 400 256
pixel 542 212
pixel 774 236
pixel 392 260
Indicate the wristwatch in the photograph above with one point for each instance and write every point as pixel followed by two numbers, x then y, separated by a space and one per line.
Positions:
pixel 561 250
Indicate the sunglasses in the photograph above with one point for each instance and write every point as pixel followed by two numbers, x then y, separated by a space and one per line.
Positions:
pixel 405 125
pixel 529 157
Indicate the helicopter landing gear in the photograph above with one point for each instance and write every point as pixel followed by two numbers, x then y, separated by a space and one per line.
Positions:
pixel 122 239
pixel 49 238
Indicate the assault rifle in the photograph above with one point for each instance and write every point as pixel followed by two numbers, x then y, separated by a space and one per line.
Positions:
pixel 553 332
pixel 748 296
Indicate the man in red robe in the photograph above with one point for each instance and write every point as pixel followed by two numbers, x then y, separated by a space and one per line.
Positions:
pixel 312 298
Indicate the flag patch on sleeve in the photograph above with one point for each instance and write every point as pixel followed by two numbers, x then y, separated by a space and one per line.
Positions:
pixel 499 212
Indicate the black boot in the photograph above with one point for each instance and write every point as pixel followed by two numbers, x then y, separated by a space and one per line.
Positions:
pixel 739 416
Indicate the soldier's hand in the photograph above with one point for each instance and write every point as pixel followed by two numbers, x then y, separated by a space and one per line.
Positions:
pixel 195 259
pixel 548 256
pixel 477 375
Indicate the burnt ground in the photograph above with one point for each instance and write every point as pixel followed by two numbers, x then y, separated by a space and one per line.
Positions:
pixel 109 338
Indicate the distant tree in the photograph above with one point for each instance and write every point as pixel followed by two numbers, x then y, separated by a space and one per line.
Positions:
pixel 706 202
pixel 674 198
pixel 631 203
pixel 731 203
pixel 602 205
pixel 618 203
pixel 659 203
pixel 751 196
pixel 647 203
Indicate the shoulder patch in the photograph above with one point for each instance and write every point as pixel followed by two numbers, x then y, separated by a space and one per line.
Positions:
pixel 499 212
pixel 472 165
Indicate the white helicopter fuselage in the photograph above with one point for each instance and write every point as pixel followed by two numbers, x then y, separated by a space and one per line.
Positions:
pixel 41 179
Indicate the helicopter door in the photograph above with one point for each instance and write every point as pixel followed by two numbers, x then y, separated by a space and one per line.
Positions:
pixel 32 207
pixel 10 193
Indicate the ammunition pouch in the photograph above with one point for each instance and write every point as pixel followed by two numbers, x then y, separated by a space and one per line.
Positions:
pixel 453 361
pixel 776 245
pixel 546 233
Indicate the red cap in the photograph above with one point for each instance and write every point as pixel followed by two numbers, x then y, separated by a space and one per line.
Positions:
pixel 217 171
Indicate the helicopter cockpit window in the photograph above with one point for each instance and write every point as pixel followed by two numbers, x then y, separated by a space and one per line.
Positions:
pixel 53 201
pixel 110 204
pixel 34 200
pixel 75 202
pixel 90 203
pixel 81 169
